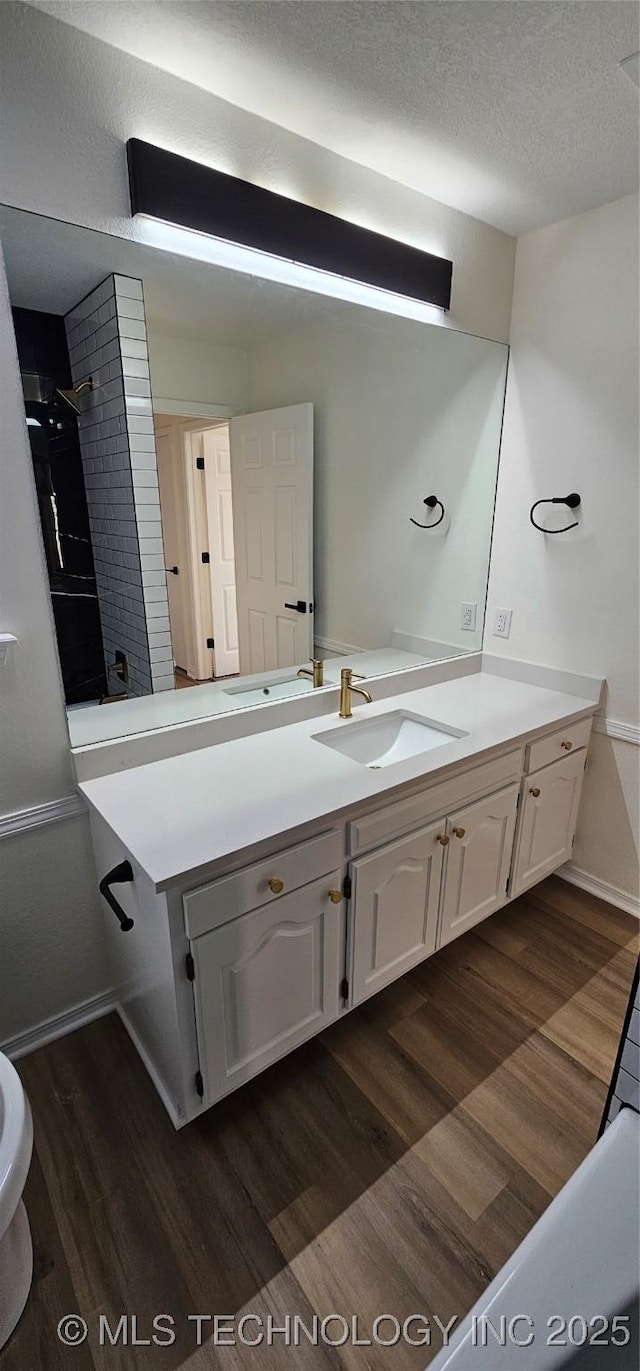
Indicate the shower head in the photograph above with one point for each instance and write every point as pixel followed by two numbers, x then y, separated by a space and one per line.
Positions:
pixel 71 396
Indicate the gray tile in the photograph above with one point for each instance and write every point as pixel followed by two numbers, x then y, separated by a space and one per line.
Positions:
pixel 628 1089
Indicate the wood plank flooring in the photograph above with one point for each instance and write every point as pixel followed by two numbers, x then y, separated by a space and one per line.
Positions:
pixel 389 1167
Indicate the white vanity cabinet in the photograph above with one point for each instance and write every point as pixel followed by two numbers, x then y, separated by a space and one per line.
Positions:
pixel 549 803
pixel 395 894
pixel 415 895
pixel 478 861
pixel 222 971
pixel 266 982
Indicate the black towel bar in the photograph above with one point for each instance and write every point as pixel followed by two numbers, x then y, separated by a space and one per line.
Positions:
pixel 117 875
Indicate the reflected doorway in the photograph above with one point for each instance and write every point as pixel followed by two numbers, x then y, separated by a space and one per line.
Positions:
pixel 236 502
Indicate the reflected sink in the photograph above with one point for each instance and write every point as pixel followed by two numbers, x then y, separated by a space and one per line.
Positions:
pixel 271 690
pixel 389 738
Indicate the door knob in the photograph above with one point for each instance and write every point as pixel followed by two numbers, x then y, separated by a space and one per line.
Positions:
pixel 335 896
pixel 443 839
pixel 276 886
pixel 173 570
pixel 300 606
pixel 535 791
pixel 459 832
pixel 567 745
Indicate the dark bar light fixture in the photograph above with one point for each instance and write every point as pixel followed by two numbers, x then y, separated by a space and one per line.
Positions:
pixel 178 191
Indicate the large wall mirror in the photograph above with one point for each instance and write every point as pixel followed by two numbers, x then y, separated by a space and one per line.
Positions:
pixel 235 476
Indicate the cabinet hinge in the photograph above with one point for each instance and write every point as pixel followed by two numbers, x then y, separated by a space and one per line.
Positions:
pixel 344 989
pixel 211 642
pixel 205 557
pixel 199 1084
pixel 190 967
pixel 347 888
pixel 200 463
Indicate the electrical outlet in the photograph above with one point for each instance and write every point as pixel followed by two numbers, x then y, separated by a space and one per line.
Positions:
pixel 502 623
pixel 468 614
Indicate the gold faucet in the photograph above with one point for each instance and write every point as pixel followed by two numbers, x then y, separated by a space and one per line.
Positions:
pixel 347 689
pixel 316 675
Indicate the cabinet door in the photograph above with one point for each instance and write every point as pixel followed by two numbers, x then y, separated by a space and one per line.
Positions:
pixel 548 814
pixel 478 862
pixel 395 896
pixel 266 982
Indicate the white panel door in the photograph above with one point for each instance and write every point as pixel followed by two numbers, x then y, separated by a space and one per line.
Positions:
pixel 272 484
pixel 548 815
pixel 478 861
pixel 395 896
pixel 266 982
pixel 174 533
pixel 222 567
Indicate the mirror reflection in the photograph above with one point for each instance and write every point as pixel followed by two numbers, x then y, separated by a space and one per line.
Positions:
pixel 243 486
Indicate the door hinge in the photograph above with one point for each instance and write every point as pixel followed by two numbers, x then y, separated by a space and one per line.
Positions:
pixel 199 1084
pixel 573 840
pixel 344 989
pixel 206 558
pixel 211 642
pixel 347 887
pixel 190 967
pixel 200 463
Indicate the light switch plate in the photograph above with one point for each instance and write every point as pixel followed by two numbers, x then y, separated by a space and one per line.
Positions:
pixel 502 623
pixel 468 615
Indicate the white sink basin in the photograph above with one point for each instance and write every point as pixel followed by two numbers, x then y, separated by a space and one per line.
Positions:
pixel 389 738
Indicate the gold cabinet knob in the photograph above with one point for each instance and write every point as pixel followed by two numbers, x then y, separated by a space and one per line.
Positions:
pixel 276 886
pixel 335 896
pixel 535 791
pixel 459 832
pixel 567 745
pixel 443 839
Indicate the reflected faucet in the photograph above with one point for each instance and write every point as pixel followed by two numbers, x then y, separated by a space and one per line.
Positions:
pixel 315 673
pixel 347 689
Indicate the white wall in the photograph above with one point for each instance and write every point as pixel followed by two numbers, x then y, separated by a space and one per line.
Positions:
pixel 571 423
pixel 70 102
pixel 401 411
pixel 189 370
pixel 51 952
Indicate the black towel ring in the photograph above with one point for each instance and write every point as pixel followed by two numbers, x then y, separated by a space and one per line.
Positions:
pixel 431 501
pixel 571 500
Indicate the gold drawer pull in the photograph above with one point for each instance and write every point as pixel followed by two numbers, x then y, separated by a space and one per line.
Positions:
pixel 276 886
pixel 535 791
pixel 443 839
pixel 335 896
pixel 567 745
pixel 459 832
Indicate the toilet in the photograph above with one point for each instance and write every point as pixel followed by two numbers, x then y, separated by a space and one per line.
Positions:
pixel 16 1253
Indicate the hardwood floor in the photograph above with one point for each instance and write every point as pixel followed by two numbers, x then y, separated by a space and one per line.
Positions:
pixel 389 1167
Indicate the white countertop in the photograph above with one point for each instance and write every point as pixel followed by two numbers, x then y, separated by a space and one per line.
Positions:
pixel 180 814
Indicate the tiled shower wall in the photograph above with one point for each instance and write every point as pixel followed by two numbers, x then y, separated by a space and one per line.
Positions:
pixel 107 340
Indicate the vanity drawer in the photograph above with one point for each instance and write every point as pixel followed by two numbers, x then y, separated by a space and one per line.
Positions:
pixel 374 829
pixel 557 745
pixel 230 896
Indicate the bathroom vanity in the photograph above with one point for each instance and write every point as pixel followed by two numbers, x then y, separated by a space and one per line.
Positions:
pixel 279 880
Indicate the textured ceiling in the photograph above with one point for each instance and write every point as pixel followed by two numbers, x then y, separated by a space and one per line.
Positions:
pixel 515 112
